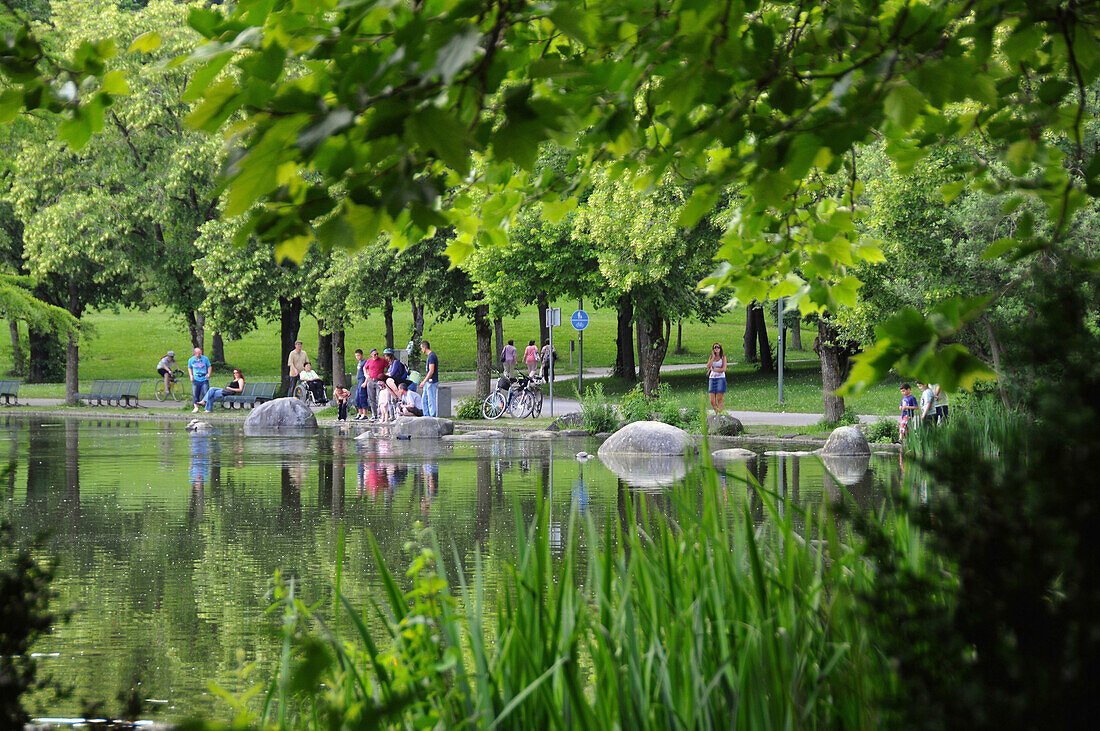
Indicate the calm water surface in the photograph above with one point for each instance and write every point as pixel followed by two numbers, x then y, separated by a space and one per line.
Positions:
pixel 168 541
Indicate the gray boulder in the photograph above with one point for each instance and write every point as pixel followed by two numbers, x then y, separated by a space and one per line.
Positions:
pixel 574 420
pixel 648 437
pixel 724 425
pixel 846 441
pixel 421 427
pixel 846 470
pixel 725 456
pixel 280 414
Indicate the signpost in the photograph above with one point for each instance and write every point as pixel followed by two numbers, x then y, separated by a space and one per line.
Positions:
pixel 579 320
pixel 781 349
pixel 553 320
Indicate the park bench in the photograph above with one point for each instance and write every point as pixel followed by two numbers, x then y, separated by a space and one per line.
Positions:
pixel 97 393
pixel 9 390
pixel 128 391
pixel 253 393
pixel 106 393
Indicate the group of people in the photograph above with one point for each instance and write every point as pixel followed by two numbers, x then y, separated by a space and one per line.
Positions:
pixel 198 372
pixel 932 407
pixel 537 360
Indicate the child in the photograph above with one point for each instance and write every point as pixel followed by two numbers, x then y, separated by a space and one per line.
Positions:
pixel 908 408
pixel 384 397
pixel 343 395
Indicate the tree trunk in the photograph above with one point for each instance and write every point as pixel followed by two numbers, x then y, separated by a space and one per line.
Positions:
pixel 387 313
pixel 338 358
pixel 290 315
pixel 796 334
pixel 217 347
pixel 543 304
pixel 624 339
pixel 417 320
pixel 761 329
pixel 655 332
pixel 324 350
pixel 47 357
pixel 195 323
pixel 498 329
pixel 483 329
pixel 18 363
pixel 829 351
pixel 750 336
pixel 72 352
pixel 640 334
pixel 679 336
pixel 995 350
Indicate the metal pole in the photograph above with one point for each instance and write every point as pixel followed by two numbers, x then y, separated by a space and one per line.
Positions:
pixel 550 322
pixel 580 353
pixel 781 340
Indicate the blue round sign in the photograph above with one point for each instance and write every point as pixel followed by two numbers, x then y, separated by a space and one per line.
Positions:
pixel 579 320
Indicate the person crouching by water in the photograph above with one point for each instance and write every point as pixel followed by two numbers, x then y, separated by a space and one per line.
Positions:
pixel 233 388
pixel 343 396
pixel 716 378
pixel 410 403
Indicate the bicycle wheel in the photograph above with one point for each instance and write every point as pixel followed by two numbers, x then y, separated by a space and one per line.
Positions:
pixel 177 390
pixel 159 391
pixel 301 392
pixel 536 394
pixel 522 404
pixel 493 406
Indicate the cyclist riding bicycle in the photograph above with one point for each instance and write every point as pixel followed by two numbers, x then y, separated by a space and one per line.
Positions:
pixel 165 368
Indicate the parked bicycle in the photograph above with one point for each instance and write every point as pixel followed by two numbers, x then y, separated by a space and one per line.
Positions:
pixel 175 390
pixel 521 397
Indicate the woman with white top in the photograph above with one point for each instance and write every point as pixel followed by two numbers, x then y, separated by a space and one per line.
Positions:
pixel 716 376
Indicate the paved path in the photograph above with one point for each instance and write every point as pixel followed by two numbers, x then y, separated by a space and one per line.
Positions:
pixel 562 384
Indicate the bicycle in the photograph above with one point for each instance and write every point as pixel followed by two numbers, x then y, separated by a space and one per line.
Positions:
pixel 520 397
pixel 174 389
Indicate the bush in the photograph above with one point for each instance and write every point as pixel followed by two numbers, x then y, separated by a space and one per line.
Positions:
pixel 635 406
pixel 848 418
pixel 883 431
pixel 665 407
pixel 597 411
pixel 468 408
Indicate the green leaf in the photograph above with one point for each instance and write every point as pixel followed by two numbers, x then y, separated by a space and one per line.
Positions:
pixel 903 105
pixel 1019 156
pixel 999 247
pixel 573 22
pixel 76 130
pixel 435 129
pixel 700 204
pixel 146 42
pixel 11 103
pixel 456 53
pixel 202 77
pixel 114 82
pixel 555 211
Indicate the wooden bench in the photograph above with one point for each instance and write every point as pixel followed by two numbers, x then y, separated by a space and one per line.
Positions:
pixel 9 390
pixel 253 393
pixel 117 393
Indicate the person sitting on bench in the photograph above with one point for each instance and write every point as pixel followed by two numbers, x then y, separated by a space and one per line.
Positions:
pixel 312 381
pixel 217 394
pixel 411 403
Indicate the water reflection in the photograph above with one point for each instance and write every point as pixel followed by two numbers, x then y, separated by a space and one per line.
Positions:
pixel 168 540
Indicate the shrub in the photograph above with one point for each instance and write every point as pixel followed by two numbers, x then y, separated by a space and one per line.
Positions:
pixel 635 406
pixel 597 411
pixel 848 418
pixel 883 431
pixel 468 408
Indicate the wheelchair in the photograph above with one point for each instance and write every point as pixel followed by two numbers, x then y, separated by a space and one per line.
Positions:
pixel 317 396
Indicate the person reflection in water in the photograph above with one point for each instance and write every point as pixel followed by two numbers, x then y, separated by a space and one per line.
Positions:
pixel 199 472
pixel 431 485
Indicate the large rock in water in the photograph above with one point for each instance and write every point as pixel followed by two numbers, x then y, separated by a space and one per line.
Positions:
pixel 421 427
pixel 648 437
pixel 280 414
pixel 846 441
pixel 646 471
pixel 724 425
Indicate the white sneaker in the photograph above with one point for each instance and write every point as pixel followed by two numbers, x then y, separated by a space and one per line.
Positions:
pixel 195 410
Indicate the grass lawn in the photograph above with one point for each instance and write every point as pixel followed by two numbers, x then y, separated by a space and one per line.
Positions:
pixel 128 344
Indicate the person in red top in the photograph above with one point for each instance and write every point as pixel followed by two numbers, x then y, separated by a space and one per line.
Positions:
pixel 376 370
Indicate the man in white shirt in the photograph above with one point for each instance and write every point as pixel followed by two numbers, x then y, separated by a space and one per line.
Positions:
pixel 410 403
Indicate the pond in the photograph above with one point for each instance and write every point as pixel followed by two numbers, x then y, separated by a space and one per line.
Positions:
pixel 168 541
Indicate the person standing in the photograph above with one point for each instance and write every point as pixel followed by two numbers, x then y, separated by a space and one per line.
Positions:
pixel 547 356
pixel 716 378
pixel 198 370
pixel 430 385
pixel 508 357
pixel 531 358
pixel 360 385
pixel 376 371
pixel 939 404
pixel 926 400
pixel 296 361
pixel 908 409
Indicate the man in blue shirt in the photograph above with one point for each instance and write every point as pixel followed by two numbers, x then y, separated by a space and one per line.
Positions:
pixel 430 385
pixel 198 370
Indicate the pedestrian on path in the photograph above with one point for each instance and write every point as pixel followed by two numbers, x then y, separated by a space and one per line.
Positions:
pixel 430 385
pixel 531 358
pixel 508 359
pixel 716 378
pixel 296 361
pixel 198 370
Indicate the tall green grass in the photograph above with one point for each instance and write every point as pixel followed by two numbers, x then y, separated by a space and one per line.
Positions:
pixel 692 617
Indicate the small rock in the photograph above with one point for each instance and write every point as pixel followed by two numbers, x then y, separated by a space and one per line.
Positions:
pixel 602 434
pixel 542 434
pixel 421 427
pixel 724 425
pixel 789 436
pixel 573 433
pixel 723 456
pixel 567 421
pixel 784 453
